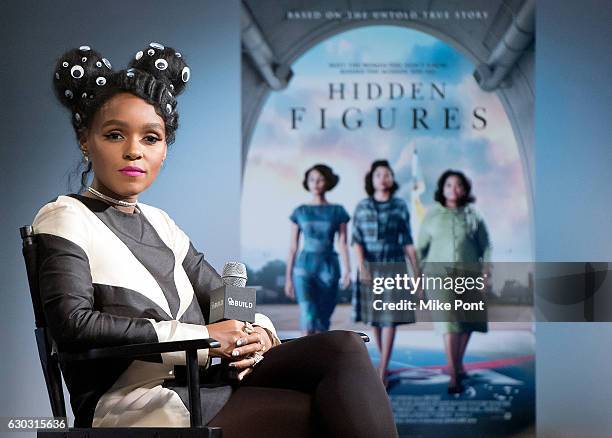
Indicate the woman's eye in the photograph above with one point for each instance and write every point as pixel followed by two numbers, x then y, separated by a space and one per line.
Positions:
pixel 113 136
pixel 152 139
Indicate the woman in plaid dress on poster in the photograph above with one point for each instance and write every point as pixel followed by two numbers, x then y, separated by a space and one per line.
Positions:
pixel 383 244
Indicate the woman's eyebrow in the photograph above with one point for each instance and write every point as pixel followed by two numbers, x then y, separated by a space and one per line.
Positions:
pixel 114 122
pixel 125 124
pixel 152 125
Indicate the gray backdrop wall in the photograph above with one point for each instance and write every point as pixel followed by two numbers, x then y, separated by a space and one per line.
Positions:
pixel 573 209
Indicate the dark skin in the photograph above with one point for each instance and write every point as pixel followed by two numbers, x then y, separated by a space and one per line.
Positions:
pixel 126 131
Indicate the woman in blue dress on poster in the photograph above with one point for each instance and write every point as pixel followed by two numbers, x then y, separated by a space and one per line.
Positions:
pixel 383 244
pixel 313 277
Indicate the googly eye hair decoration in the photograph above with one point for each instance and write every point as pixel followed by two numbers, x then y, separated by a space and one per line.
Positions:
pixel 77 71
pixel 80 78
pixel 185 74
pixel 161 64
pixel 83 80
pixel 164 63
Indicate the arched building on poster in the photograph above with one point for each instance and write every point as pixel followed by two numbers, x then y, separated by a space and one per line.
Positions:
pixel 500 45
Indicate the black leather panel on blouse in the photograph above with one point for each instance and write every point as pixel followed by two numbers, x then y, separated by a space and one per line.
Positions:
pixel 67 296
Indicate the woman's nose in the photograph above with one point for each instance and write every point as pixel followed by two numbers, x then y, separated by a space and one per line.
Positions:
pixel 133 150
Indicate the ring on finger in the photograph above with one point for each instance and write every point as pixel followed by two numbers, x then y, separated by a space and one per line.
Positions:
pixel 257 358
pixel 248 328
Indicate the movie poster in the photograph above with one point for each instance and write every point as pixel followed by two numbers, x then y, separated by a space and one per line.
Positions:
pixel 422 89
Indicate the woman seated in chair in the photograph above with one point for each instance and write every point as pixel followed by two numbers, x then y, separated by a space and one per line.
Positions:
pixel 115 271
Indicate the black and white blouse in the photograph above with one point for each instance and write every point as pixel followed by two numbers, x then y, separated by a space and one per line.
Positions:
pixel 112 278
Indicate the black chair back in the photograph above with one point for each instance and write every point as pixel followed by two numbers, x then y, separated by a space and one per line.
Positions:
pixel 48 359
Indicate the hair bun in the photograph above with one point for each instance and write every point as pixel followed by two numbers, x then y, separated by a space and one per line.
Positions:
pixel 81 77
pixel 165 64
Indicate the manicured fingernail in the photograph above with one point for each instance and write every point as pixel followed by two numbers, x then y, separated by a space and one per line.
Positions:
pixel 239 342
pixel 235 353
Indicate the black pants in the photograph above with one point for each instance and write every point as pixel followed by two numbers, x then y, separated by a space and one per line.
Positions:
pixel 320 385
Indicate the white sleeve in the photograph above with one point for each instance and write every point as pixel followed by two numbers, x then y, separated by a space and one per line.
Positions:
pixel 168 331
pixel 263 321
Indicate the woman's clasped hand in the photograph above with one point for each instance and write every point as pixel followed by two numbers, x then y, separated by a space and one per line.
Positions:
pixel 242 344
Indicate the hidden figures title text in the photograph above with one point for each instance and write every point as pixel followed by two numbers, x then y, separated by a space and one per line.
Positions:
pixel 419 106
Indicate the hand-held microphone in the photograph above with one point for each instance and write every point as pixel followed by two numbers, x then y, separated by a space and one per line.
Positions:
pixel 233 300
pixel 234 274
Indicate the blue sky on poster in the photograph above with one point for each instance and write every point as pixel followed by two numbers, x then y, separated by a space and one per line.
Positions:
pixel 279 155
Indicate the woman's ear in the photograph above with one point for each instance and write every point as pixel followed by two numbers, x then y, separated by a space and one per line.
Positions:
pixel 83 144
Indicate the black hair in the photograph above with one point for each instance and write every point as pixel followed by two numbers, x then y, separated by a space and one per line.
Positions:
pixel 369 186
pixel 331 179
pixel 465 182
pixel 84 81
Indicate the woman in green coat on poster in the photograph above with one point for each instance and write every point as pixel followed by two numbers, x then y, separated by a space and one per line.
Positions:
pixel 454 236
